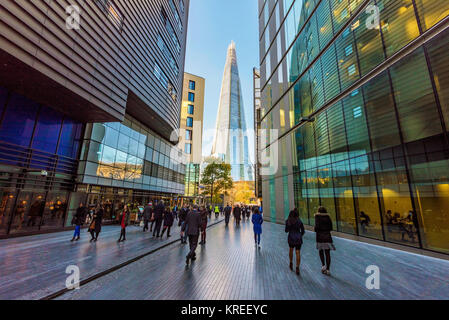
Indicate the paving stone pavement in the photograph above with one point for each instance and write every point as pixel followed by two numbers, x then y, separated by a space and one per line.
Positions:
pixel 230 267
pixel 35 267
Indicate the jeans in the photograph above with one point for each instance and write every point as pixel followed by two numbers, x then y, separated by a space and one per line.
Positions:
pixel 77 232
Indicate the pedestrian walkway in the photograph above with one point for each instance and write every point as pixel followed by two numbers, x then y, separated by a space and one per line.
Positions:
pixel 34 267
pixel 230 267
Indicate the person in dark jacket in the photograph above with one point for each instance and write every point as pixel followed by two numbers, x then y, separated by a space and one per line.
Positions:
pixel 295 229
pixel 237 214
pixel 182 218
pixel 203 213
pixel 158 218
pixel 124 221
pixel 192 227
pixel 169 218
pixel 78 221
pixel 147 214
pixel 95 225
pixel 257 221
pixel 227 213
pixel 324 242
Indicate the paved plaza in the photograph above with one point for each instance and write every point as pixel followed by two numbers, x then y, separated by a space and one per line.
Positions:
pixel 229 266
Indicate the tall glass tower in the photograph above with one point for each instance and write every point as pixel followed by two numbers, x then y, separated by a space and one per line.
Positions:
pixel 231 139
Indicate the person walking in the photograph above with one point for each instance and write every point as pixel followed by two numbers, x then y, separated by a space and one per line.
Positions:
pixel 257 221
pixel 324 242
pixel 124 221
pixel 203 213
pixel 295 229
pixel 95 225
pixel 158 217
pixel 237 214
pixel 168 222
pixel 182 219
pixel 147 214
pixel 217 212
pixel 192 228
pixel 78 221
pixel 227 213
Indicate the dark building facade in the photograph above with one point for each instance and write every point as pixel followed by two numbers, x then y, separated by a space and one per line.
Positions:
pixel 69 72
pixel 358 93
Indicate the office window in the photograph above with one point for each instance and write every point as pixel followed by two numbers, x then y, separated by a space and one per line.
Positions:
pixel 170 30
pixel 176 14
pixel 166 51
pixel 189 122
pixel 188 148
pixel 192 85
pixel 188 134
pixel 191 97
pixel 190 109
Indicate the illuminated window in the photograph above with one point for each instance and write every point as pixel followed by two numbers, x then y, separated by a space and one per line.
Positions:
pixel 112 11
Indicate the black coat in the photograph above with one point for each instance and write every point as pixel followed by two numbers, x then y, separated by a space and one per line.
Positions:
pixel 168 219
pixel 193 223
pixel 323 228
pixel 159 211
pixel 80 216
pixel 147 213
pixel 237 213
pixel 295 229
pixel 98 218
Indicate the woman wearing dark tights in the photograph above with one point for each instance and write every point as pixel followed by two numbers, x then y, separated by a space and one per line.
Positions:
pixel 295 229
pixel 324 242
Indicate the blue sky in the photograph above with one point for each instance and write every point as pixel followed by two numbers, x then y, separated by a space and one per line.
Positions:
pixel 212 26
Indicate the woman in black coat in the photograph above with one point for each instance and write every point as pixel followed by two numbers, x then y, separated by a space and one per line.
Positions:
pixel 295 229
pixel 324 242
pixel 95 226
pixel 168 221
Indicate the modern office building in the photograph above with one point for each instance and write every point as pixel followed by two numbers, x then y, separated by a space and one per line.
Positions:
pixel 90 95
pixel 231 136
pixel 257 133
pixel 191 135
pixel 358 92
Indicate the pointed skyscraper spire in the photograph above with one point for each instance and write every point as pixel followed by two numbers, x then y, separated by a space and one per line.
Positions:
pixel 231 140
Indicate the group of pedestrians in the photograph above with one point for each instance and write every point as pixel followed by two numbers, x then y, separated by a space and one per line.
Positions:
pixel 193 222
pixel 95 218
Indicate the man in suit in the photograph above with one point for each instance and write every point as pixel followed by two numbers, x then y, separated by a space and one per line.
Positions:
pixel 158 217
pixel 227 212
pixel 192 225
pixel 147 214
pixel 237 214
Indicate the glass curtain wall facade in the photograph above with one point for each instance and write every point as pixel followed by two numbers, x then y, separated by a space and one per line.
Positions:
pixel 358 91
pixel 38 161
pixel 128 159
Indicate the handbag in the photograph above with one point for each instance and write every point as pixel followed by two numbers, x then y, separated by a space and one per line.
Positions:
pixel 92 226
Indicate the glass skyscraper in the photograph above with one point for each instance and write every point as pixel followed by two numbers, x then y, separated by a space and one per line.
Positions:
pixel 231 136
pixel 359 93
